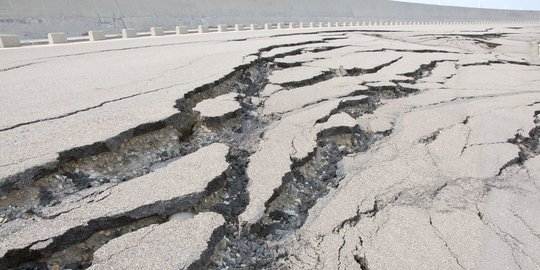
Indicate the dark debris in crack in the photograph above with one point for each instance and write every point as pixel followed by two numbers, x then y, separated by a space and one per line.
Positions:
pixel 528 146
pixel 232 246
pixel 225 195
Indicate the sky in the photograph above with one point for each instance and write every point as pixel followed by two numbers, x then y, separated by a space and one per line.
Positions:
pixel 498 4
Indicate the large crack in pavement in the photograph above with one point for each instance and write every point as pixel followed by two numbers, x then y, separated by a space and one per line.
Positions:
pixel 92 171
pixel 139 156
pixel 258 246
pixel 89 177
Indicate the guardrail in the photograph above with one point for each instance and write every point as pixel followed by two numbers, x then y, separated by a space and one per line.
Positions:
pixel 10 41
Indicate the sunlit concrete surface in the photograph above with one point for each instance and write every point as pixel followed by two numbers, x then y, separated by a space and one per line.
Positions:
pixel 357 147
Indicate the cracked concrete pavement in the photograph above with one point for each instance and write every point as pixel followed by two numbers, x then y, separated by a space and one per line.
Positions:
pixel 176 185
pixel 410 148
pixel 185 241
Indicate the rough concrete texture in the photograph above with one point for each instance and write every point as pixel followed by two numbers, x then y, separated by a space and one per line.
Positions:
pixel 172 245
pixel 330 148
pixel 219 106
pixel 178 184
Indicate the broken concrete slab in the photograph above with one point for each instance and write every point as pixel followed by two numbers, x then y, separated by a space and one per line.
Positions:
pixel 295 74
pixel 281 51
pixel 270 89
pixel 450 205
pixel 366 61
pixel 176 186
pixel 339 120
pixel 423 147
pixel 296 98
pixel 171 245
pixel 293 138
pixel 149 94
pixel 218 107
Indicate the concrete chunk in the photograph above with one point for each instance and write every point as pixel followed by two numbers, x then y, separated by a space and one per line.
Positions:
pixel 171 245
pixel 7 41
pixel 181 30
pixel 295 74
pixel 129 33
pixel 96 35
pixel 57 38
pixel 203 29
pixel 156 31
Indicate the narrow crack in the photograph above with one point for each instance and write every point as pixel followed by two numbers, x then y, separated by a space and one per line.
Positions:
pixel 19 66
pixel 500 62
pixel 440 236
pixel 361 258
pixel 85 109
pixel 344 241
pixel 513 243
pixel 425 70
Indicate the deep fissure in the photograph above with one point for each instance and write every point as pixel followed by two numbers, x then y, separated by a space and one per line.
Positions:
pixel 224 195
pixel 257 246
pixel 308 180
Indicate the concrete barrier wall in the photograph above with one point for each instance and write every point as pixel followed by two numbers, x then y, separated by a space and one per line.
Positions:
pixel 35 18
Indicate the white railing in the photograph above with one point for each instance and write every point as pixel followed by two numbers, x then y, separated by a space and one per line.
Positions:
pixel 7 41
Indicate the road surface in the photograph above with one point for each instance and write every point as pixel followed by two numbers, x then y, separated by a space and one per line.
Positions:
pixel 397 147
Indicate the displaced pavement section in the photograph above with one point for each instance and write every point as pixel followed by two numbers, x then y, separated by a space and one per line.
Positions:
pixel 172 245
pixel 219 106
pixel 179 185
pixel 401 149
pixel 454 186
